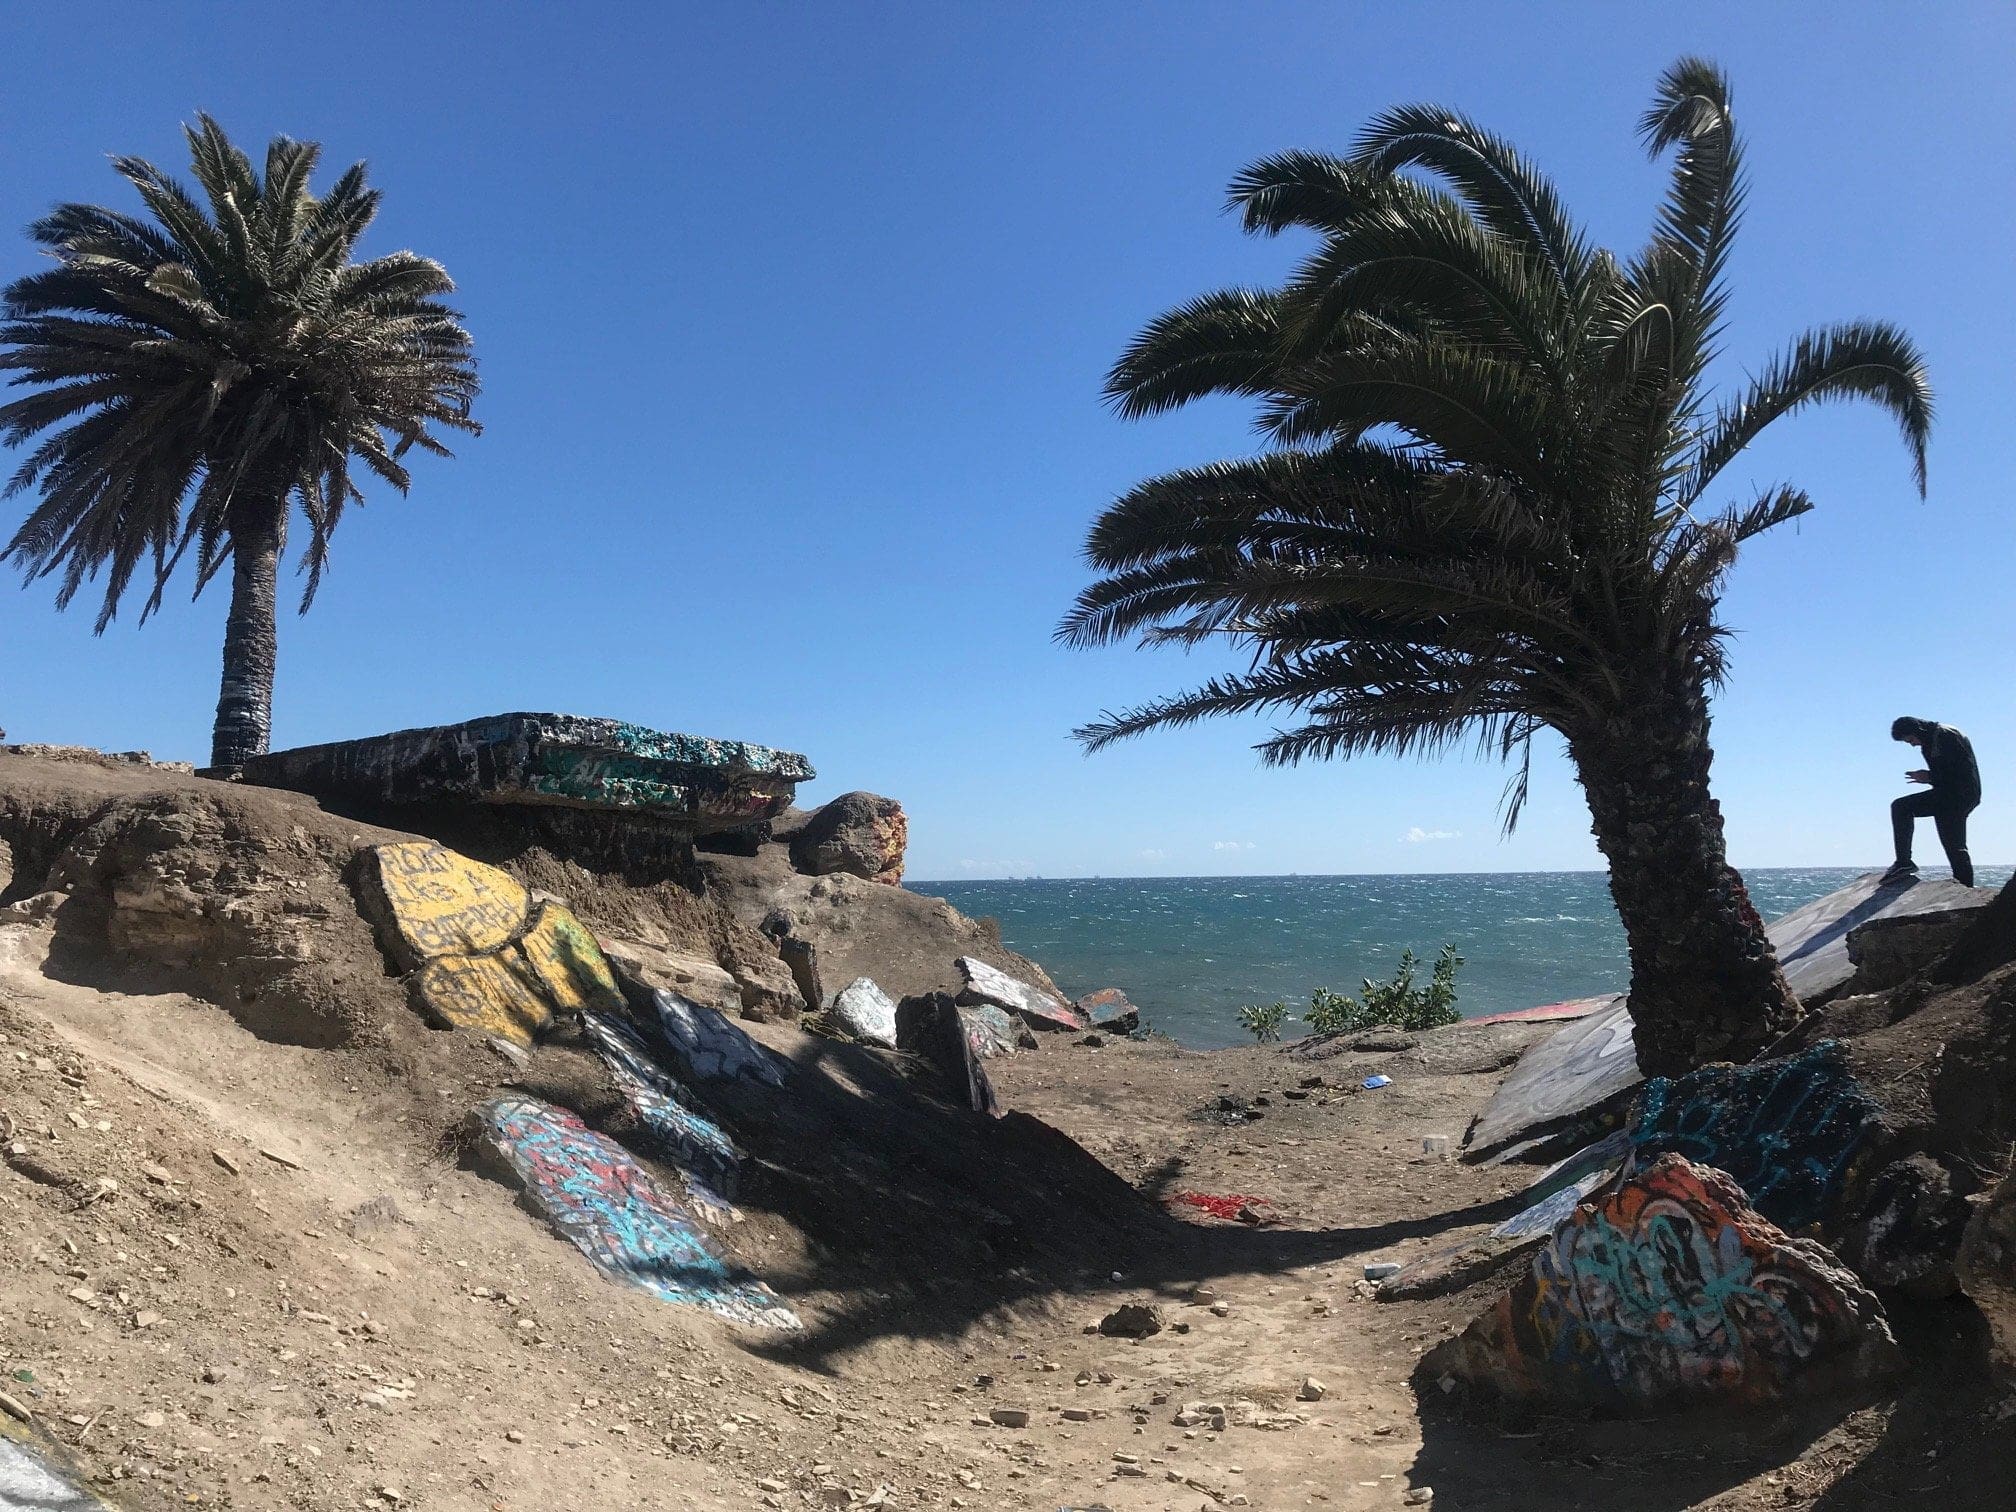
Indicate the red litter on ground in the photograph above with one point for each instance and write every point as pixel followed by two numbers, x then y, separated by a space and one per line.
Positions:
pixel 1224 1206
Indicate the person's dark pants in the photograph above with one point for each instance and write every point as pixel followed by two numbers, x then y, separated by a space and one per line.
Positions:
pixel 1950 821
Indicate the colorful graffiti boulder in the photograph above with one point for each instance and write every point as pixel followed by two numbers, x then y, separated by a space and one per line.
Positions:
pixel 595 1195
pixel 1790 1132
pixel 1043 1010
pixel 689 783
pixel 478 952
pixel 1110 1011
pixel 1670 1291
pixel 693 1144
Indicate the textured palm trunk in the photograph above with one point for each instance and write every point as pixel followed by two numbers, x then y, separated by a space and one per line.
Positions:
pixel 245 702
pixel 1705 984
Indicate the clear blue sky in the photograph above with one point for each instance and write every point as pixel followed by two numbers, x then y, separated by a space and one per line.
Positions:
pixel 793 319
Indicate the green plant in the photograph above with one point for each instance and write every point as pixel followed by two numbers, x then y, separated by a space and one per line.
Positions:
pixel 1495 504
pixel 1263 1022
pixel 203 373
pixel 1398 1002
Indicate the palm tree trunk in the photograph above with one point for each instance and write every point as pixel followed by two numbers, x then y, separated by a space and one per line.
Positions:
pixel 245 702
pixel 1705 984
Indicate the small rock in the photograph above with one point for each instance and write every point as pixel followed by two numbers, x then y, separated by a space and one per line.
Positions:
pixel 1311 1390
pixel 1077 1414
pixel 1132 1320
pixel 156 1173
pixel 513 1436
pixel 146 1318
pixel 1009 1417
pixel 1379 1270
pixel 224 1160
pixel 151 1419
pixel 771 1484
pixel 280 1158
pixel 1419 1496
pixel 1221 1309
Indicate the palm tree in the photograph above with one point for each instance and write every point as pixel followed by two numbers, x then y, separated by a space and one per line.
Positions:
pixel 203 373
pixel 1487 507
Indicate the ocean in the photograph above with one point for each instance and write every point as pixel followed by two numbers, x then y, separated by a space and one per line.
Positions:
pixel 1191 951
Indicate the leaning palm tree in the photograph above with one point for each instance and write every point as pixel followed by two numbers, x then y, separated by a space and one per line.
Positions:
pixel 1491 505
pixel 201 374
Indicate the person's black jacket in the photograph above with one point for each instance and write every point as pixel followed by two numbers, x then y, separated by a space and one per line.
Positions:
pixel 1956 776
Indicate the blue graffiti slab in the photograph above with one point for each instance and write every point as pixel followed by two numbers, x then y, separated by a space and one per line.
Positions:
pixel 1789 1131
pixel 703 1154
pixel 712 1048
pixel 599 1198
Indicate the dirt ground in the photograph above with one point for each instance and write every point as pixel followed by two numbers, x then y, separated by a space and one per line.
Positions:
pixel 243 1265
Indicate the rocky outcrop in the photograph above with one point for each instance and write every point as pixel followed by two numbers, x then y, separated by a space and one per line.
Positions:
pixel 1670 1291
pixel 861 834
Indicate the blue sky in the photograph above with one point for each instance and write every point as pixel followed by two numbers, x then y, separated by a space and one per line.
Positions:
pixel 793 319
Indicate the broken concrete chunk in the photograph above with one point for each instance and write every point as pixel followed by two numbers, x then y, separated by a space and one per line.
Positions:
pixel 1109 1009
pixel 712 1048
pixel 986 984
pixel 1672 1291
pixel 430 901
pixel 596 1195
pixel 868 1013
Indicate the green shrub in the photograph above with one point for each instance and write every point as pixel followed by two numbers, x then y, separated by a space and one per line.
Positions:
pixel 1397 1002
pixel 1263 1023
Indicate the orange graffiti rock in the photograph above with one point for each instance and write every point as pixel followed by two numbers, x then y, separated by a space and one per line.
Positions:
pixel 1671 1291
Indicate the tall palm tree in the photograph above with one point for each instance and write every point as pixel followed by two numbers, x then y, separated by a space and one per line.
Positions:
pixel 202 374
pixel 1487 511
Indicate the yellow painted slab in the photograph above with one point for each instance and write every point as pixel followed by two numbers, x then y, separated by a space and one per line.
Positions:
pixel 569 964
pixel 496 994
pixel 442 903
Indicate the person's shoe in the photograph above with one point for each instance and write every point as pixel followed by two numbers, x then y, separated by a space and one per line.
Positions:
pixel 1903 871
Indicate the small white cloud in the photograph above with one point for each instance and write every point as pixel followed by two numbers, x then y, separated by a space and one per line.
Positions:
pixel 1154 855
pixel 1231 845
pixel 1417 835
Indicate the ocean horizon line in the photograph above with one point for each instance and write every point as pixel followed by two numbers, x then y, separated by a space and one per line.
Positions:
pixel 1573 871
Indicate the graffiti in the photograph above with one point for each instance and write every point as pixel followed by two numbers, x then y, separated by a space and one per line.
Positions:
pixel 608 1206
pixel 706 1159
pixel 480 955
pixel 1671 1289
pixel 703 785
pixel 989 1030
pixel 1576 1073
pixel 711 1047
pixel 865 1011
pixel 37 1477
pixel 1561 1186
pixel 1573 1008
pixel 1790 1132
pixel 986 984
pixel 434 901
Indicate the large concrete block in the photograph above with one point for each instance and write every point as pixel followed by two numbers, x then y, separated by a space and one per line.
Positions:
pixel 479 954
pixel 697 785
pixel 1671 1291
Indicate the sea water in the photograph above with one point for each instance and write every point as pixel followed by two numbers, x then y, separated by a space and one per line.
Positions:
pixel 1191 951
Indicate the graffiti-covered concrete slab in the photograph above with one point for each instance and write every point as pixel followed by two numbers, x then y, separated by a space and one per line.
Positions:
pixel 988 984
pixel 693 1144
pixel 35 1478
pixel 478 952
pixel 868 1013
pixel 1671 1291
pixel 710 1047
pixel 595 1195
pixel 1789 1132
pixel 431 901
pixel 698 785
pixel 1588 1064
pixel 1572 1008
pixel 1592 1063
pixel 1555 1195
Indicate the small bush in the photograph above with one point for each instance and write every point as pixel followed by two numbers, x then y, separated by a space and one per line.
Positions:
pixel 1263 1023
pixel 1397 1002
